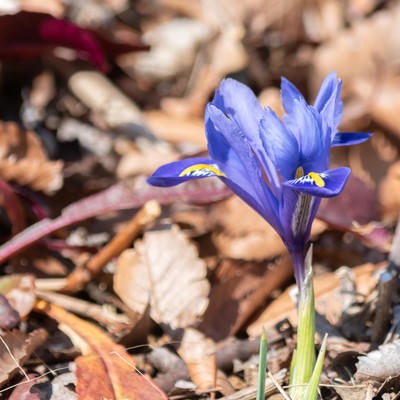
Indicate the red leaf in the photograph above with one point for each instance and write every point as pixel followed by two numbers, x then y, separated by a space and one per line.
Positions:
pixel 29 35
pixel 118 197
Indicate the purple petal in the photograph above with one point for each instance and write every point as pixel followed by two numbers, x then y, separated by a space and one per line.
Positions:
pixel 348 139
pixel 181 171
pixel 326 184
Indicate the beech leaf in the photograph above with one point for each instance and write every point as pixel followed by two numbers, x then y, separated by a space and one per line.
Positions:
pixel 198 352
pixel 21 346
pixel 164 273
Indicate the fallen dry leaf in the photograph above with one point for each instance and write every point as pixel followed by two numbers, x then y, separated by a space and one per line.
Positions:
pixel 327 299
pixel 21 346
pixel 380 364
pixel 174 46
pixel 105 370
pixel 164 273
pixel 251 239
pixel 24 161
pixel 369 44
pixel 199 354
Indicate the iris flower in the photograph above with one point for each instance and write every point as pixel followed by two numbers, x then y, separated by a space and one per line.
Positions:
pixel 278 167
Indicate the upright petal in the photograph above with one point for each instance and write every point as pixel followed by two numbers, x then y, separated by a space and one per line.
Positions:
pixel 280 144
pixel 240 104
pixel 328 102
pixel 231 149
pixel 289 93
pixel 306 125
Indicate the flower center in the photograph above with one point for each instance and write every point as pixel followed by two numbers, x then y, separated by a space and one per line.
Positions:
pixel 313 176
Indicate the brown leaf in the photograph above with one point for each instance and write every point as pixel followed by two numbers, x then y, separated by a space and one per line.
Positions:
pixel 327 299
pixel 199 354
pixel 165 273
pixel 251 239
pixel 389 193
pixel 21 346
pixel 176 130
pixel 369 44
pixel 24 161
pixel 105 370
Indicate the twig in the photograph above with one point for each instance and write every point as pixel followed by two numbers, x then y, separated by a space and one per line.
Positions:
pixel 79 277
pixel 249 393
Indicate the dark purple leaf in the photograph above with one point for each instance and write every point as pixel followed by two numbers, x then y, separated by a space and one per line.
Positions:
pixel 29 35
pixel 121 196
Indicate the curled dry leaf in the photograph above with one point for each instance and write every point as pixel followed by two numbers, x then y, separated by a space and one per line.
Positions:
pixel 199 354
pixel 174 45
pixel 381 364
pixel 164 273
pixel 24 161
pixel 116 109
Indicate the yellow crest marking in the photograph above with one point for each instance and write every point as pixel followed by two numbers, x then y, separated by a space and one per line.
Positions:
pixel 316 179
pixel 201 170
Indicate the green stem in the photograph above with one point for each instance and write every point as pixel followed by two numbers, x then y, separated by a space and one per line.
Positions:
pixel 304 356
pixel 262 366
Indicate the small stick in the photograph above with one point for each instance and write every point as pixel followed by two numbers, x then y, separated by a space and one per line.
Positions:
pixel 249 393
pixel 80 276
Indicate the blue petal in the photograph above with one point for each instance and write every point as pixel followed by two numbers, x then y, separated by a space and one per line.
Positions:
pixel 181 171
pixel 240 105
pixel 348 139
pixel 309 130
pixel 289 93
pixel 280 144
pixel 239 102
pixel 325 184
pixel 328 102
pixel 230 148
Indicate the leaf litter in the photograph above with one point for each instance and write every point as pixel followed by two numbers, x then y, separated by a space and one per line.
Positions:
pixel 171 306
